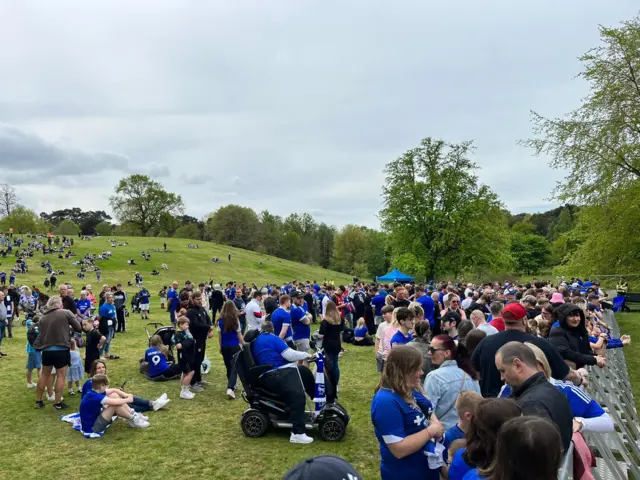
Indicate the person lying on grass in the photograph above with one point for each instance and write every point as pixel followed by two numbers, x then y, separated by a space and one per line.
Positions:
pixel 98 408
pixel 99 367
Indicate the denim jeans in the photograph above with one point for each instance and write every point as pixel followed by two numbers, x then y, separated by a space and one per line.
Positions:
pixel 140 405
pixel 3 325
pixel 106 348
pixel 333 368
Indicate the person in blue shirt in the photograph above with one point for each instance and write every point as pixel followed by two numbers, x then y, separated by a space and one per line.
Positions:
pixel 12 278
pixel 588 415
pixel 230 338
pixel 377 302
pixel 427 304
pixel 173 301
pixel 403 418
pixel 156 357
pixel 466 404
pixel 230 291
pixel 283 378
pixel 481 437
pixel 107 325
pixel 97 409
pixel 300 321
pixel 281 319
pixel 83 304
pixel 405 319
pixel 144 296
pixel 361 335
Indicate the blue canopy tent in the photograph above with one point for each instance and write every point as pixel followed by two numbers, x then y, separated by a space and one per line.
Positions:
pixel 394 275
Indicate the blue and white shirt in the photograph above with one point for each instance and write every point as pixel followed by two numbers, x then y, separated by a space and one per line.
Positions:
pixel 300 330
pixel 279 318
pixel 393 420
pixel 156 360
pixel 90 409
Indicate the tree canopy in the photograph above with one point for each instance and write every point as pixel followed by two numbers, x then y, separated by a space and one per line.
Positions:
pixel 141 201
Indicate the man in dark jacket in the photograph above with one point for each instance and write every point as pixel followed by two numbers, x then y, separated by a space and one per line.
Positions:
pixel 120 301
pixel 571 338
pixel 530 388
pixel 200 327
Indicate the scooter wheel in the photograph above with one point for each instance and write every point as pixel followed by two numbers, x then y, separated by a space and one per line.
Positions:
pixel 254 423
pixel 332 429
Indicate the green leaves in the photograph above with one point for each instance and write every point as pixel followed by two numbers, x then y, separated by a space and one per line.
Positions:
pixel 140 201
pixel 435 210
pixel 599 142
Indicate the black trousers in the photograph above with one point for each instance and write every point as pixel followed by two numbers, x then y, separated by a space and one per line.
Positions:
pixel 285 382
pixel 198 358
pixel 227 354
pixel 120 325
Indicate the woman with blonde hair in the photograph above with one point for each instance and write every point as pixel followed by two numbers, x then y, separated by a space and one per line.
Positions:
pixel 330 332
pixel 403 418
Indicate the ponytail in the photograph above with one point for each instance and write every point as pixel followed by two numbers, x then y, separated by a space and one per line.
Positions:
pixel 459 353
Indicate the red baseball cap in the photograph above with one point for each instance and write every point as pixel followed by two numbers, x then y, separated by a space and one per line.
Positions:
pixel 513 312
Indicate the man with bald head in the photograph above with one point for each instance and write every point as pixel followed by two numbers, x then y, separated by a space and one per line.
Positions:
pixel 68 302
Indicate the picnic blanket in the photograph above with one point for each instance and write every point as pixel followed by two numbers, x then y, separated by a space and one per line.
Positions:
pixel 74 420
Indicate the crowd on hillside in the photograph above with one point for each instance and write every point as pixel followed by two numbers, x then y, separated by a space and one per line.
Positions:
pixel 470 375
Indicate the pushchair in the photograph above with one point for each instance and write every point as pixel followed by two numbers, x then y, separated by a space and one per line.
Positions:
pixel 267 408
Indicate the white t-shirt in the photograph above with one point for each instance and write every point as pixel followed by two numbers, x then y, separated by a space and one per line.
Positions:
pixel 466 303
pixel 325 300
pixel 379 333
pixel 488 329
pixel 254 315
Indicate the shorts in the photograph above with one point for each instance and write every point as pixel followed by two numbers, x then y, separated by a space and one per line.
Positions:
pixel 34 360
pixel 56 358
pixel 185 366
pixel 101 424
pixel 379 362
pixel 144 307
pixel 302 345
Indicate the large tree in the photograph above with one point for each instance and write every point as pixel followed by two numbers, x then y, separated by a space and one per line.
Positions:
pixel 598 144
pixel 435 208
pixel 23 220
pixel 349 250
pixel 141 201
pixel 530 252
pixel 86 220
pixel 235 226
pixel 8 199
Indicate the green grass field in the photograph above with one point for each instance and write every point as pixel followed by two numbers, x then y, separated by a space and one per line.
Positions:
pixel 189 439
pixel 630 324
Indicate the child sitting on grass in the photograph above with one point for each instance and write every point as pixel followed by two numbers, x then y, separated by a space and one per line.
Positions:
pixel 361 334
pixel 186 346
pixel 97 409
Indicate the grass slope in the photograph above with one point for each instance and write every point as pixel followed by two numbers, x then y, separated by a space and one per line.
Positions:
pixel 195 439
pixel 630 325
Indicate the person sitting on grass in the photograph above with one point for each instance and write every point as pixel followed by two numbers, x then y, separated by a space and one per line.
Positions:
pixel 156 356
pixel 99 367
pixel 362 337
pixel 98 408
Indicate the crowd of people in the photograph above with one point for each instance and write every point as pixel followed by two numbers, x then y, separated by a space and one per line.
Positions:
pixel 470 375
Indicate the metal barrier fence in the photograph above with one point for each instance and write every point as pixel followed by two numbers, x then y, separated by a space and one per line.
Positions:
pixel 617 453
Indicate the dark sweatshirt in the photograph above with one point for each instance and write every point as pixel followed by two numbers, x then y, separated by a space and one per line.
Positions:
pixel 54 328
pixel 572 343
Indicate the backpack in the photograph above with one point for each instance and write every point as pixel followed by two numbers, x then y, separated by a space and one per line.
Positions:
pixel 32 333
pixel 348 335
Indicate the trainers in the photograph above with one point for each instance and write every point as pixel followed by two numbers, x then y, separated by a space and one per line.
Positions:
pixel 138 422
pixel 159 403
pixel 300 438
pixel 31 385
pixel 203 383
pixel 231 394
pixel 60 406
pixel 39 404
pixel 163 397
pixel 196 388
pixel 51 398
pixel 72 392
pixel 187 395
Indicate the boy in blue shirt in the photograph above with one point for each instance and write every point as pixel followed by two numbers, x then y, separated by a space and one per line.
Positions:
pixel 466 404
pixel 300 321
pixel 281 319
pixel 143 296
pixel 97 409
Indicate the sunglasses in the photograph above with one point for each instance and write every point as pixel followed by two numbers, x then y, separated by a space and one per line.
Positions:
pixel 434 349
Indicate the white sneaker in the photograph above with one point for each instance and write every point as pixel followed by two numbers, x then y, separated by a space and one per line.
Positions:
pixel 138 422
pixel 159 403
pixel 163 397
pixel 31 385
pixel 231 394
pixel 300 438
pixel 187 395
pixel 52 398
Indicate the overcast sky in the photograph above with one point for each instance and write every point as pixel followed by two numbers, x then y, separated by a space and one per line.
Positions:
pixel 285 105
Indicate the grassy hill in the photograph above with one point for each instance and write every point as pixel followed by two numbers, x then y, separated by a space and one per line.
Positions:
pixel 193 439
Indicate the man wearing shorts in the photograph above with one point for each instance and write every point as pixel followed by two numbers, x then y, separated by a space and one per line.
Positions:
pixel 144 302
pixel 54 341
pixel 97 409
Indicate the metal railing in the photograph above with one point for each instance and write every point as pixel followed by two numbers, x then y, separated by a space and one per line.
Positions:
pixel 617 453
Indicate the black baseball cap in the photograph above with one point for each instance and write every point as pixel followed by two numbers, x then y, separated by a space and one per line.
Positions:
pixel 323 467
pixel 297 294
